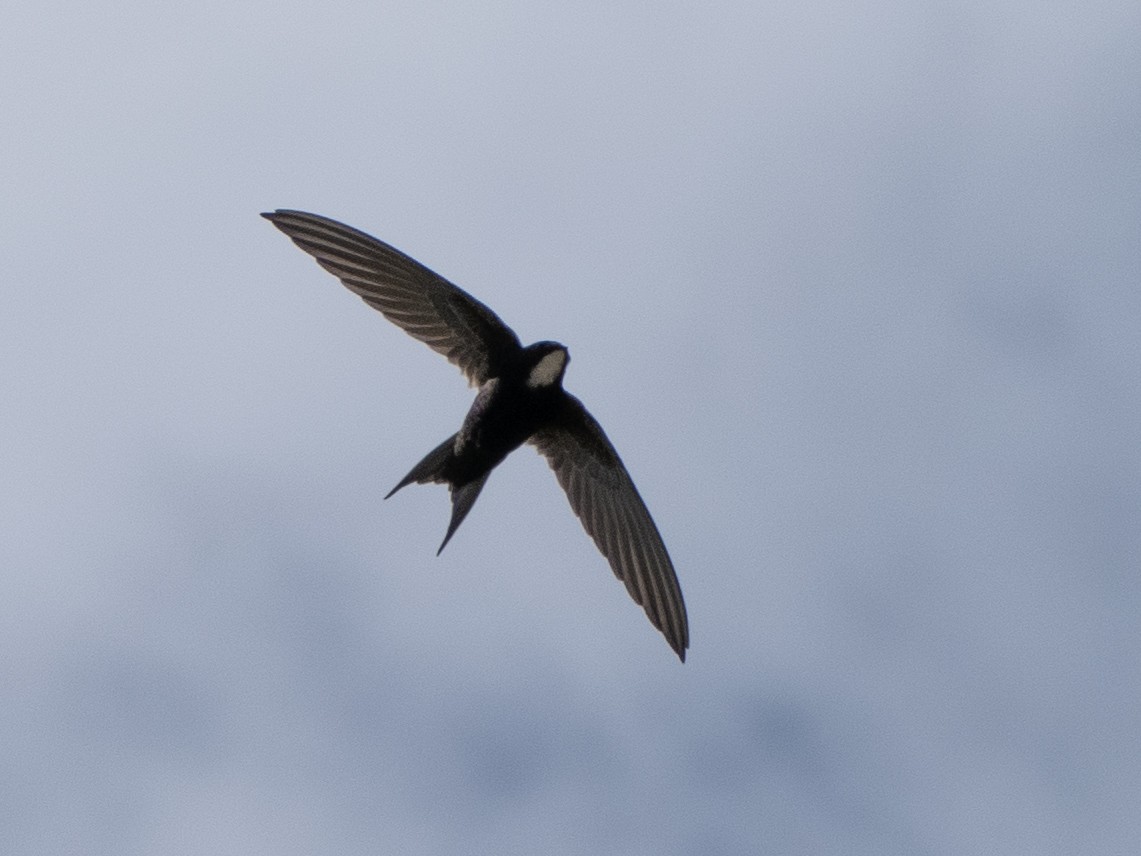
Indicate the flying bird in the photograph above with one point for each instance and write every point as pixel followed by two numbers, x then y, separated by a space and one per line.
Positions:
pixel 520 400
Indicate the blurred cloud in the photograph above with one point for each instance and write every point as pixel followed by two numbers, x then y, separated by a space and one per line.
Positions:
pixel 853 290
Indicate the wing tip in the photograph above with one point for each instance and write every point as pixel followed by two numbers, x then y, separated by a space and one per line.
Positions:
pixel 278 214
pixel 678 639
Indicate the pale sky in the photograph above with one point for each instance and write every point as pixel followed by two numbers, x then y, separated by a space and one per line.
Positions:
pixel 852 288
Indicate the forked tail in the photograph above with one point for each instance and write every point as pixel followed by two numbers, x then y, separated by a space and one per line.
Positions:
pixel 463 498
pixel 433 469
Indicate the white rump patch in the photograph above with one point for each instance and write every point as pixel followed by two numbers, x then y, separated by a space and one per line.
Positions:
pixel 547 370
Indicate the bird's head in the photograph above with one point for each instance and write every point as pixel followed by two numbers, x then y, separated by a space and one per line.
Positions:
pixel 546 363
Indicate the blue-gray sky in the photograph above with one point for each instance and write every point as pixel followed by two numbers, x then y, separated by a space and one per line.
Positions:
pixel 852 287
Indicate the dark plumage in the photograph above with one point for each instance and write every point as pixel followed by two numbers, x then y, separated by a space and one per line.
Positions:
pixel 520 399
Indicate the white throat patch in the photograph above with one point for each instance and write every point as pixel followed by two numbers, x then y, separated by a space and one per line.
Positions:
pixel 547 370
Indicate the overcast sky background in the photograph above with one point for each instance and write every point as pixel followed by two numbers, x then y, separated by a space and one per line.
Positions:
pixel 854 289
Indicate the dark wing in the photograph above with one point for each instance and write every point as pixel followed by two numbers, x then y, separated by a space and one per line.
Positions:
pixel 418 301
pixel 605 499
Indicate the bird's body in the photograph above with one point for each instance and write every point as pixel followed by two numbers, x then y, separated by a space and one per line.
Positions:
pixel 507 411
pixel 520 399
